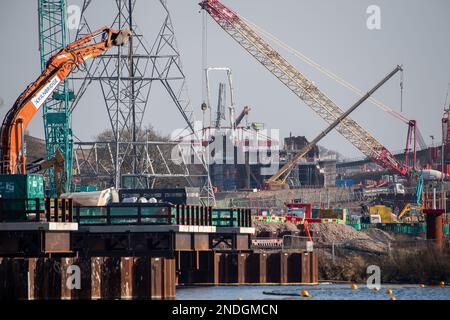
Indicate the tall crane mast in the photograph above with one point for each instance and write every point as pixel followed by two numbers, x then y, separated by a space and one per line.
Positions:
pixel 301 86
pixel 53 35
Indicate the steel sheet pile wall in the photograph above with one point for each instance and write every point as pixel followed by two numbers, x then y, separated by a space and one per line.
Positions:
pixel 148 278
pixel 101 278
pixel 216 268
pixel 138 251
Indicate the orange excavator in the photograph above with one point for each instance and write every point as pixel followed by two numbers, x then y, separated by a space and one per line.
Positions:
pixel 13 158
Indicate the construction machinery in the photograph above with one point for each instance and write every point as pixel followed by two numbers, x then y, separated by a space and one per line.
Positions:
pixel 245 111
pixel 417 206
pixel 278 180
pixel 13 155
pixel 57 164
pixel 301 86
pixel 410 207
pixel 56 111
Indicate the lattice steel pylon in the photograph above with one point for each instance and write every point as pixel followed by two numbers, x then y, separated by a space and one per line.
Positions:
pixel 56 111
pixel 126 77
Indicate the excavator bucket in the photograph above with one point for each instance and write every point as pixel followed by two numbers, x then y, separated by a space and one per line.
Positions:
pixel 121 37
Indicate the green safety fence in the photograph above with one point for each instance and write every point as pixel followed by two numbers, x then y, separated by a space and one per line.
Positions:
pixel 281 219
pixel 126 215
pixel 356 226
pixel 407 228
pixel 276 219
pixel 222 217
pixel 160 215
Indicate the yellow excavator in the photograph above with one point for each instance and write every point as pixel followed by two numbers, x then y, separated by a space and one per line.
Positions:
pixel 411 207
pixel 57 163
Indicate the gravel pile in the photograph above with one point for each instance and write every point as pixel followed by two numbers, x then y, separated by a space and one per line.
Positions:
pixel 333 232
pixel 345 237
pixel 265 229
pixel 324 234
pixel 378 234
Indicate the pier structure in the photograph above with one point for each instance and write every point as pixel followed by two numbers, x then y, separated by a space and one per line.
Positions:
pixel 135 251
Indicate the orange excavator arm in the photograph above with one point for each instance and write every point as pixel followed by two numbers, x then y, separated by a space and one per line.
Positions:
pixel 13 159
pixel 306 227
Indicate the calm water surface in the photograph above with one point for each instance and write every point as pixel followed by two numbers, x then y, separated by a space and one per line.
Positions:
pixel 320 292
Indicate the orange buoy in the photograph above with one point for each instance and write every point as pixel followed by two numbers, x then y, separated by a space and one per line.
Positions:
pixel 305 294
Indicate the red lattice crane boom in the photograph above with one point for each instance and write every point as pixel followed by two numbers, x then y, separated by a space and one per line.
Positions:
pixel 301 86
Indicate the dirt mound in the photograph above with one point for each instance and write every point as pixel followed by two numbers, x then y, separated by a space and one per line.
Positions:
pixel 264 228
pixel 269 229
pixel 346 238
pixel 379 235
pixel 288 228
pixel 332 232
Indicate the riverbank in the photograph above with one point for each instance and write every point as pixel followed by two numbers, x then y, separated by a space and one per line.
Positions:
pixel 345 253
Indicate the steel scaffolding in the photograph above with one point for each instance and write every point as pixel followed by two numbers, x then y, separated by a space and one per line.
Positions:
pixel 126 78
pixel 56 111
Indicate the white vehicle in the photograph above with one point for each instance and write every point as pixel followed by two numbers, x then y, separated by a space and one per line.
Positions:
pixel 433 175
pixel 396 188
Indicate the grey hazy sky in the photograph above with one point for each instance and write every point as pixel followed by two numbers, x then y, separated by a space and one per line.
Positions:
pixel 414 33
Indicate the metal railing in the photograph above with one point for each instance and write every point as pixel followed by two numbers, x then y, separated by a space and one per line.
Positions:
pixel 233 217
pixel 129 214
pixel 293 242
pixel 63 210
pixel 36 210
pixel 162 214
pixel 267 243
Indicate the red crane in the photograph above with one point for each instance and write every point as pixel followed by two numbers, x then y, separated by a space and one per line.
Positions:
pixel 304 88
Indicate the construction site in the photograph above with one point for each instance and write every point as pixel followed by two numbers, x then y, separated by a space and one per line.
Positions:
pixel 115 185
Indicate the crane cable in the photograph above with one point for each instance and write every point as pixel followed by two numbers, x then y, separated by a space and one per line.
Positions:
pixel 446 96
pixel 204 54
pixel 325 71
pixel 401 91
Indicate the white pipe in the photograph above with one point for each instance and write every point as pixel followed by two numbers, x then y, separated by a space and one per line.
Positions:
pixel 434 198
pixel 230 83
